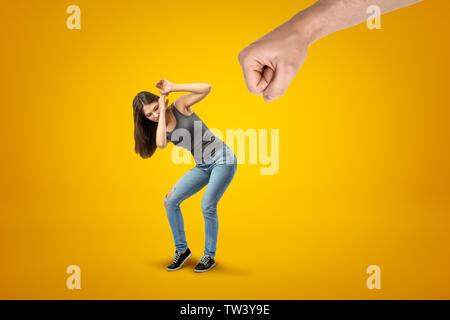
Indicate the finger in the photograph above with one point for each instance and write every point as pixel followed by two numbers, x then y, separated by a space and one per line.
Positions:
pixel 253 75
pixel 280 82
pixel 268 74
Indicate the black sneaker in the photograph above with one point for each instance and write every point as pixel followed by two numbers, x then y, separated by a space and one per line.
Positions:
pixel 206 263
pixel 179 259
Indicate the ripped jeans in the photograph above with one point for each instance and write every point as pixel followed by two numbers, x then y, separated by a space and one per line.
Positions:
pixel 217 175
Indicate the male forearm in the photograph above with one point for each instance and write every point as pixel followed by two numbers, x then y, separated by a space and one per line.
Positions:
pixel 191 87
pixel 328 16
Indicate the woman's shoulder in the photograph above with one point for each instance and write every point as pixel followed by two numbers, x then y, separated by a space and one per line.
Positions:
pixel 181 109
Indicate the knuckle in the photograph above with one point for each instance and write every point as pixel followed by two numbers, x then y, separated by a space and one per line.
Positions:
pixel 255 92
pixel 242 56
pixel 277 91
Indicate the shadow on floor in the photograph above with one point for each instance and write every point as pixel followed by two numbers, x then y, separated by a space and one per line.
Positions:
pixel 222 267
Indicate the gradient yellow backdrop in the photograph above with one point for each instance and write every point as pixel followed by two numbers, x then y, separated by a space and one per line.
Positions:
pixel 364 155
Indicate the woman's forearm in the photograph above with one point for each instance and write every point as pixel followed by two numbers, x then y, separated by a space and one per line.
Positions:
pixel 328 16
pixel 191 87
pixel 161 138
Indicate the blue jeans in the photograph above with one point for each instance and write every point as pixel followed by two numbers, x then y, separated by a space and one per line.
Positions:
pixel 217 175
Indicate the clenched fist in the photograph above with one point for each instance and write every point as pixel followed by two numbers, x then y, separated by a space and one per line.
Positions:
pixel 270 63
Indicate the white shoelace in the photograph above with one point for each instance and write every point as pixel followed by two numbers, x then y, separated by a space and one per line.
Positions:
pixel 176 256
pixel 204 260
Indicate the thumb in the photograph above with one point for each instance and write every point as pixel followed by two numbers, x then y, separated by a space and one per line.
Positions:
pixel 280 82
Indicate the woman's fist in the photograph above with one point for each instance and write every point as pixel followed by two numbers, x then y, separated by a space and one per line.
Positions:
pixel 165 86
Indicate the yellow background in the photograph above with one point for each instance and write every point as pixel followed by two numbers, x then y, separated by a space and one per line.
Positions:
pixel 364 155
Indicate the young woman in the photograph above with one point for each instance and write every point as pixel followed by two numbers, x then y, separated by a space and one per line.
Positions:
pixel 155 125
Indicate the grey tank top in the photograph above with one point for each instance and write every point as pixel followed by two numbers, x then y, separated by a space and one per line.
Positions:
pixel 192 134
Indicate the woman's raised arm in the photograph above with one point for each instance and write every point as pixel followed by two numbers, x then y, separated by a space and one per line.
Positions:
pixel 198 91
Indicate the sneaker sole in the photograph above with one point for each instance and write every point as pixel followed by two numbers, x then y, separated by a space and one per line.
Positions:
pixel 205 269
pixel 181 265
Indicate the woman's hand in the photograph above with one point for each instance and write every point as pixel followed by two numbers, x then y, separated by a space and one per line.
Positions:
pixel 165 85
pixel 163 104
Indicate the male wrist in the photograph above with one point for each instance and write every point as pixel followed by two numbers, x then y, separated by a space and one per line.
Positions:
pixel 310 23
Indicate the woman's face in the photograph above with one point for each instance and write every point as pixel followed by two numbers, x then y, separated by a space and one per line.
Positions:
pixel 151 111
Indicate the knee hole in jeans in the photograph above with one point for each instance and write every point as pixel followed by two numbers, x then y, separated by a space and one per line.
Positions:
pixel 168 195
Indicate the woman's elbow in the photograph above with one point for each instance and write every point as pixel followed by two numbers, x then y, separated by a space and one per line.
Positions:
pixel 161 145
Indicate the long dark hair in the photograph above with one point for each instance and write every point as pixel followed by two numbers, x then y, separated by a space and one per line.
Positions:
pixel 144 129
